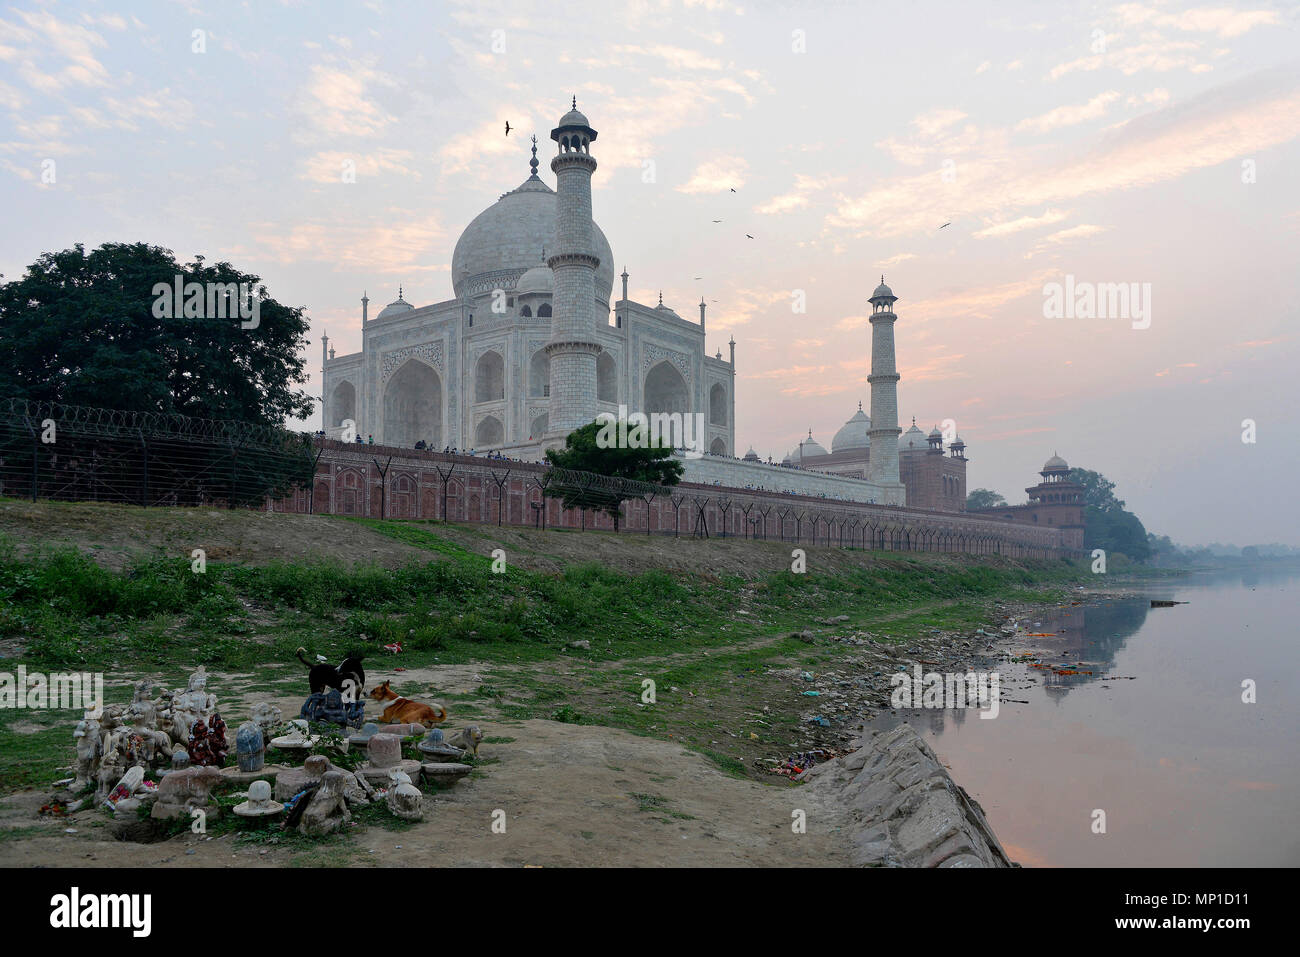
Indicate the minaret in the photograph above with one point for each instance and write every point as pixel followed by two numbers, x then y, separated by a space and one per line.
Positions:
pixel 882 466
pixel 365 308
pixel 573 346
pixel 324 358
pixel 701 313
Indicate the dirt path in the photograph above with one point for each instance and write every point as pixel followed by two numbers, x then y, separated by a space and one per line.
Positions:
pixel 572 796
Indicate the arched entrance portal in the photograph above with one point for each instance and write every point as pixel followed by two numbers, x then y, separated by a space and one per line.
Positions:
pixel 413 406
pixel 343 404
pixel 665 390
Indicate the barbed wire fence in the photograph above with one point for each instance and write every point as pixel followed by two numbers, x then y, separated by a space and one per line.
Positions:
pixel 77 453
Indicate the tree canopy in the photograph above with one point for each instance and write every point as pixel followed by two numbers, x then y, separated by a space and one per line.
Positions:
pixel 582 452
pixel 984 498
pixel 1109 525
pixel 86 329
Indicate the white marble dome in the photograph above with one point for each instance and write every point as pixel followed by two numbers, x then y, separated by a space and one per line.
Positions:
pixel 538 281
pixel 1055 463
pixel 853 433
pixel 811 447
pixel 395 308
pixel 913 438
pixel 505 240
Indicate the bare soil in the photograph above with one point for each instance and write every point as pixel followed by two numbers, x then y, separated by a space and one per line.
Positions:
pixel 572 796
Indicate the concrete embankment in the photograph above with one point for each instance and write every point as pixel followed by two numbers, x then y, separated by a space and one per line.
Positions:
pixel 906 808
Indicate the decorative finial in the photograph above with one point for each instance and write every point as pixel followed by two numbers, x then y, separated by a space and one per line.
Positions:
pixel 575 101
pixel 533 162
pixel 661 297
pixel 882 278
pixel 399 291
pixel 859 405
pixel 913 421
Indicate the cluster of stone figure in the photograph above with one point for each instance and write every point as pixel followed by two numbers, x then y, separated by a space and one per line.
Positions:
pixel 180 737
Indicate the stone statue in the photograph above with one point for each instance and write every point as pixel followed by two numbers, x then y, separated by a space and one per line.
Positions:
pixel 250 746
pixel 207 744
pixel 404 799
pixel 87 737
pixel 327 808
pixel 193 704
pixel 467 739
pixel 267 717
pixel 182 791
pixel 259 803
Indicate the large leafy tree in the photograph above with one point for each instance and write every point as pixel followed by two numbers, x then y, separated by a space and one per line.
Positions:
pixel 984 498
pixel 1108 524
pixel 82 329
pixel 585 452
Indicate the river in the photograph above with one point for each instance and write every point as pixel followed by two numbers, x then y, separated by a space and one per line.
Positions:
pixel 1158 737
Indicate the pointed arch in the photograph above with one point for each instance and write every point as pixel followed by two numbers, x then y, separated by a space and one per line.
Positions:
pixel 489 434
pixel 343 404
pixel 413 405
pixel 718 404
pixel 665 389
pixel 606 378
pixel 490 377
pixel 539 375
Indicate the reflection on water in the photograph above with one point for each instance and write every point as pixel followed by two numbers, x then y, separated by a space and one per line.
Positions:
pixel 1150 728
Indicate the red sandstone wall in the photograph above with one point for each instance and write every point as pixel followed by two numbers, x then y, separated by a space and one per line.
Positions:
pixel 348 482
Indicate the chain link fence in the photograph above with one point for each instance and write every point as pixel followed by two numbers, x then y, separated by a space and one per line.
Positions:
pixel 76 453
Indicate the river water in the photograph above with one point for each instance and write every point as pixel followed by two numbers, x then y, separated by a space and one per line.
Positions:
pixel 1158 737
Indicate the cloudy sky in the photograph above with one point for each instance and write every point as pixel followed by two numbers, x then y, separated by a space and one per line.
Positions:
pixel 1152 143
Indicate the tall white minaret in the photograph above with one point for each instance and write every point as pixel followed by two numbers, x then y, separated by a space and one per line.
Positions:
pixel 882 465
pixel 573 346
pixel 324 359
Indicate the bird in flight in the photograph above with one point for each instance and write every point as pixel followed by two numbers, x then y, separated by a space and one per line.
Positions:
pixel 733 189
pixel 717 220
pixel 507 127
pixel 747 236
pixel 945 224
pixel 699 277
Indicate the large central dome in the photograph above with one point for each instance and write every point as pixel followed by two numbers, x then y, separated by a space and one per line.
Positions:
pixel 507 238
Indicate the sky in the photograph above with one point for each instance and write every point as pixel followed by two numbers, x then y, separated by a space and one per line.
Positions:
pixel 1148 143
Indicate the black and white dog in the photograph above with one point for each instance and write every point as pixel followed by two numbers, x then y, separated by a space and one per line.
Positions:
pixel 322 676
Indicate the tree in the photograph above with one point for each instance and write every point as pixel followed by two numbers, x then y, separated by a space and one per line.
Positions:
pixel 1098 491
pixel 984 498
pixel 586 450
pixel 96 329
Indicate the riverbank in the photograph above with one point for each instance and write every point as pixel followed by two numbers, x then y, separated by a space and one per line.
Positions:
pixel 750 664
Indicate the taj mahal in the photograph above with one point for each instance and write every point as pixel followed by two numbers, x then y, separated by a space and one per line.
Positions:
pixel 533 345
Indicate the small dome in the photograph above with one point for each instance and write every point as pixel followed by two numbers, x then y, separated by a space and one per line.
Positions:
pixel 751 455
pixel 396 307
pixel 537 281
pixel 935 433
pixel 913 438
pixel 883 290
pixel 1056 463
pixel 853 433
pixel 574 118
pixel 958 443
pixel 811 447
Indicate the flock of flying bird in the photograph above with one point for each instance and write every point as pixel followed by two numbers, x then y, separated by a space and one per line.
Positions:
pixel 732 188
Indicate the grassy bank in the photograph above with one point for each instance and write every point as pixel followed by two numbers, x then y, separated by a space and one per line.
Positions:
pixel 708 640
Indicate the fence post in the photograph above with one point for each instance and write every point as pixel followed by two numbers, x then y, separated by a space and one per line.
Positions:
pixel 144 445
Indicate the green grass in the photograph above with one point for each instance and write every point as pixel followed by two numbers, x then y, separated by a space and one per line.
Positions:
pixel 156 615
